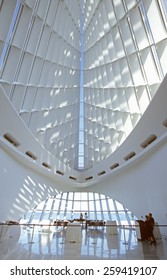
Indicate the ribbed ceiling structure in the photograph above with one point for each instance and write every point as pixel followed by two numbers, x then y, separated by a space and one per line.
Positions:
pixel 81 73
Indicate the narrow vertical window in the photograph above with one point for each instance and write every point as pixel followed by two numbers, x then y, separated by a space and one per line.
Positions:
pixel 81 163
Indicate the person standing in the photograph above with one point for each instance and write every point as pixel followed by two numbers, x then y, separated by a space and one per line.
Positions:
pixel 152 222
pixel 86 217
pixel 147 226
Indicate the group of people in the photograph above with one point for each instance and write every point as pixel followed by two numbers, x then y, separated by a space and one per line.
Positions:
pixel 81 216
pixel 149 225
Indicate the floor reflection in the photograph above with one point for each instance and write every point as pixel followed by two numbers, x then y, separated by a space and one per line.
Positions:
pixel 96 243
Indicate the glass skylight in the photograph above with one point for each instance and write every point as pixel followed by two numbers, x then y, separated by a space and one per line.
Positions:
pixel 81 102
pixel 78 72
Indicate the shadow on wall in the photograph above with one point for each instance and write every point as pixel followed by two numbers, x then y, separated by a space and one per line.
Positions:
pixel 30 194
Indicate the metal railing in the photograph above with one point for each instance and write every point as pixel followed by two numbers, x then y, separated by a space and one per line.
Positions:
pixel 49 227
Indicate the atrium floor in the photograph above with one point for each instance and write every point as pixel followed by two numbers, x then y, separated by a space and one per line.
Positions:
pixel 96 244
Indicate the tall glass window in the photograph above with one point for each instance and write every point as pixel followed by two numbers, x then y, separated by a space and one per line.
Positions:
pixel 81 104
pixel 70 205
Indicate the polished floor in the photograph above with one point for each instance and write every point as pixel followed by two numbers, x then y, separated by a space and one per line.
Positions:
pixel 96 244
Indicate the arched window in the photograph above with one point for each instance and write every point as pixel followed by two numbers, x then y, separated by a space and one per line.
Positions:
pixel 69 206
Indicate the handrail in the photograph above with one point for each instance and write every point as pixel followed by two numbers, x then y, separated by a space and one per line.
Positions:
pixel 52 224
pixel 49 225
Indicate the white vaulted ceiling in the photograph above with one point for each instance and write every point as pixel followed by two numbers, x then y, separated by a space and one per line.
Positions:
pixel 81 73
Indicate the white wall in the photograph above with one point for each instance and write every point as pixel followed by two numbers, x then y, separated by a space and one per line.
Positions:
pixel 23 184
pixel 20 188
pixel 142 186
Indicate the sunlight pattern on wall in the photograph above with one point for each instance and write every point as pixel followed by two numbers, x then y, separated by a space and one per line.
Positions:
pixel 124 63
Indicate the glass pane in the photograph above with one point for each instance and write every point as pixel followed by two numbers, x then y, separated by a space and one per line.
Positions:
pixel 90 196
pixel 80 162
pixel 122 216
pixel 111 204
pixel 76 205
pixel 84 206
pixel 96 195
pixel 53 216
pixel 68 216
pixel 97 205
pixel 77 196
pixel 41 205
pixel 104 205
pixel 76 215
pixel 91 205
pixel 114 216
pixel 70 196
pixel 119 206
pixel 81 123
pixel 45 216
pixel 69 205
pixel 84 196
pixel 63 203
pixel 61 216
pixel 81 149
pixel 106 216
pixel 64 195
pixel 27 217
pixel 99 216
pixel 58 196
pixel 56 204
pixel 49 204
pixel 92 216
